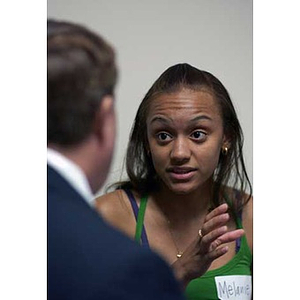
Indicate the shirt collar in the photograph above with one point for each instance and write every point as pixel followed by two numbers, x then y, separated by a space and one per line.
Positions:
pixel 72 173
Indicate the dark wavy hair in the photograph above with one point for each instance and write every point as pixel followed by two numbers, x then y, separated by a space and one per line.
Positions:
pixel 231 167
pixel 81 70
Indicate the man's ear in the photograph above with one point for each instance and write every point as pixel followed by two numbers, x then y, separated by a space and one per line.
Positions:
pixel 104 126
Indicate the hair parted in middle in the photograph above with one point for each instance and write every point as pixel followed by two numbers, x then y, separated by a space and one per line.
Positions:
pixel 139 166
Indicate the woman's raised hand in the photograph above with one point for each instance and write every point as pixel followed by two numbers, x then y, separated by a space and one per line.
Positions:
pixel 207 246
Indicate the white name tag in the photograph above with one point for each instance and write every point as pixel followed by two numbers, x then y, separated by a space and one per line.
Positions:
pixel 235 287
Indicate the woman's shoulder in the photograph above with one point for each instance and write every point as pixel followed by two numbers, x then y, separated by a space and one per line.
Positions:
pixel 111 203
pixel 115 208
pixel 244 199
pixel 247 219
pixel 246 213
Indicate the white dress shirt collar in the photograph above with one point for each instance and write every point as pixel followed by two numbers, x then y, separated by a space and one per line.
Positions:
pixel 72 173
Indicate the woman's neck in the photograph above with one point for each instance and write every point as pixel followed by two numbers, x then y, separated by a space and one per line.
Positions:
pixel 175 206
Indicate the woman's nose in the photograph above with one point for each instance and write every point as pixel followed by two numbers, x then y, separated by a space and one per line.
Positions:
pixel 180 152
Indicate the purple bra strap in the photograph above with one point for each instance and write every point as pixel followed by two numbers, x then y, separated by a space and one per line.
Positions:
pixel 238 245
pixel 135 208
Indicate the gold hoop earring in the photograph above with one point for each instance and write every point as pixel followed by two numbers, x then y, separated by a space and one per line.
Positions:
pixel 225 151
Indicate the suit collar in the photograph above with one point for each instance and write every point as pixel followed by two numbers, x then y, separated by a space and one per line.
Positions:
pixel 72 173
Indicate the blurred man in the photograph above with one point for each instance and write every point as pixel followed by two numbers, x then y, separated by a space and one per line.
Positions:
pixel 87 259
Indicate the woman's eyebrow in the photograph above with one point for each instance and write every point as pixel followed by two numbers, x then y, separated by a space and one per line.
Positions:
pixel 202 117
pixel 160 119
pixel 167 120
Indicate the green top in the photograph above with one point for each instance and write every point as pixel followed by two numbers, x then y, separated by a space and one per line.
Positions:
pixel 231 281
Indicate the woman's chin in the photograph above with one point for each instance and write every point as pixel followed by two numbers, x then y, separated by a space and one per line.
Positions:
pixel 181 189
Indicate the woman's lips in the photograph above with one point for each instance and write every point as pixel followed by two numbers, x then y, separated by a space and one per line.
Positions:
pixel 181 173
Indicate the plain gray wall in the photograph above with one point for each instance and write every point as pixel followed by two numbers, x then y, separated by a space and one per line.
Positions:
pixel 150 36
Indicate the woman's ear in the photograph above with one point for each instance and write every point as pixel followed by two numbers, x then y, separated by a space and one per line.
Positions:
pixel 225 145
pixel 226 141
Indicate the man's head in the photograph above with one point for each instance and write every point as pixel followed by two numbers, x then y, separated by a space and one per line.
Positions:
pixel 81 76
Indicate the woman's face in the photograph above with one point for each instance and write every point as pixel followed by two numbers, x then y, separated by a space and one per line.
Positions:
pixel 185 135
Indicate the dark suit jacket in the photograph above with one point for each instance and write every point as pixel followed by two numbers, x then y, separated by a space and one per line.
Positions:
pixel 87 259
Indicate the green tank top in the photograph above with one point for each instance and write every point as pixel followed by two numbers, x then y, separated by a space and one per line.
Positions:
pixel 231 281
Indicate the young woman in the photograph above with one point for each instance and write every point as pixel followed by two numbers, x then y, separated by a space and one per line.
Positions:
pixel 186 194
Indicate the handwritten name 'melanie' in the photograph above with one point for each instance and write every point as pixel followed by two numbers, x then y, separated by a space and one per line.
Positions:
pixel 227 290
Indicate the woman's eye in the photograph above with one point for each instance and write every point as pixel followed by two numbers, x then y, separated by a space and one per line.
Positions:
pixel 163 136
pixel 198 135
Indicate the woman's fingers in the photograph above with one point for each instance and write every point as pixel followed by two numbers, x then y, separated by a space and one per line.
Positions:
pixel 218 238
pixel 231 236
pixel 221 209
pixel 212 237
pixel 217 253
pixel 214 233
pixel 214 222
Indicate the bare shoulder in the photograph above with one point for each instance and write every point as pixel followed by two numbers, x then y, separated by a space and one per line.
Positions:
pixel 115 208
pixel 107 203
pixel 247 218
pixel 247 214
